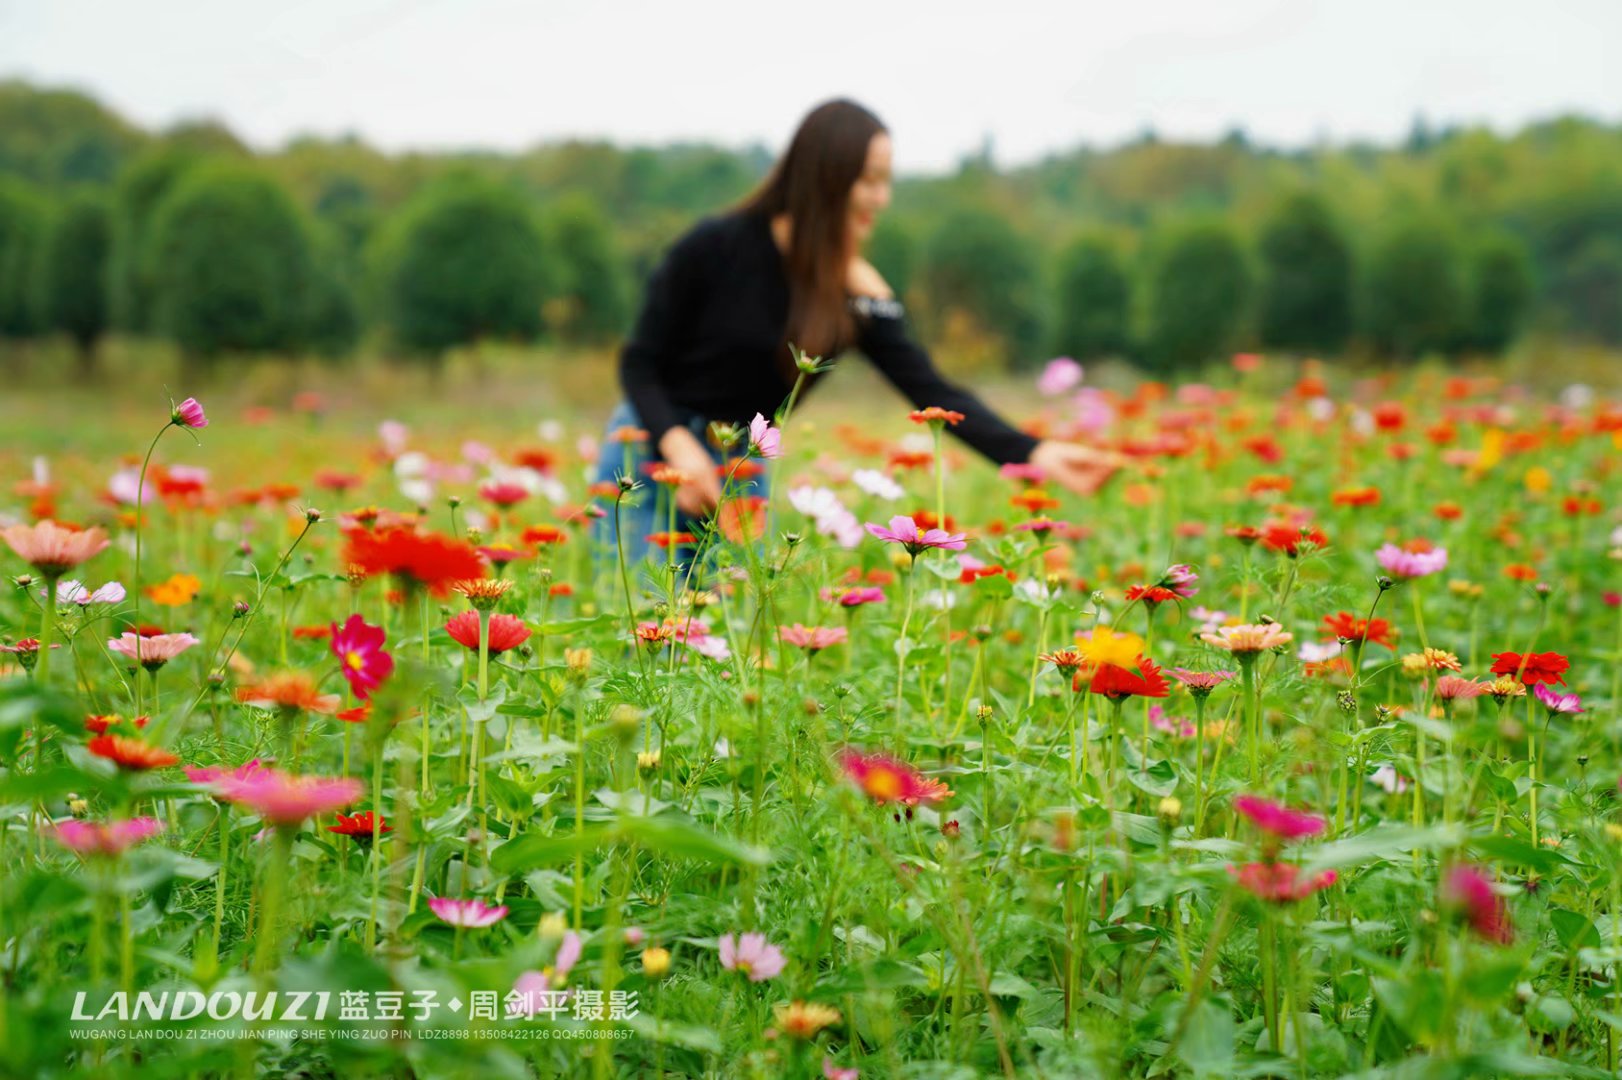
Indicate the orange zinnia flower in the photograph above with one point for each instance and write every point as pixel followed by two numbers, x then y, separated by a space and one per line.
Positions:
pixel 179 589
pixel 289 690
pixel 131 754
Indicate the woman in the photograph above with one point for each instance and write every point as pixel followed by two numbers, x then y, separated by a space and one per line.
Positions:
pixel 785 265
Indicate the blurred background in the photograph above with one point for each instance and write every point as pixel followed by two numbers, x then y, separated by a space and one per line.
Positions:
pixel 391 197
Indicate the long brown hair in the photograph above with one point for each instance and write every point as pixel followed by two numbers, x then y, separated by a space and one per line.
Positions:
pixel 811 182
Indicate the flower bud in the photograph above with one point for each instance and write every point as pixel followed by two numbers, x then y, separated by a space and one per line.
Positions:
pixel 655 962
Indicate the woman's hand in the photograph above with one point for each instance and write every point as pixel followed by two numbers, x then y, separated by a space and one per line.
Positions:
pixel 1081 469
pixel 683 452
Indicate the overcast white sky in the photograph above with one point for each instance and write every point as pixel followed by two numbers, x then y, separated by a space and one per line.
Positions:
pixel 1038 76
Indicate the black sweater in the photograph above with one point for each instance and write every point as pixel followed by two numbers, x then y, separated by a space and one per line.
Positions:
pixel 710 333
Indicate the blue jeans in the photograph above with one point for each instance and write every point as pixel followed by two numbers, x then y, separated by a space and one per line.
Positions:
pixel 646 510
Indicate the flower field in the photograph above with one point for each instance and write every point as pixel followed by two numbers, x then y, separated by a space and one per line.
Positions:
pixel 1294 751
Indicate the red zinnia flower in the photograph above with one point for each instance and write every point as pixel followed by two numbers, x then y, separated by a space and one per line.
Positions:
pixel 131 754
pixel 1287 539
pixel 360 827
pixel 430 560
pixel 1117 682
pixel 1532 668
pixel 1345 626
pixel 506 631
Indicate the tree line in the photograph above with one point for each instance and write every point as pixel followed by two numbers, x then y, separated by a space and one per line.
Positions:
pixel 1455 242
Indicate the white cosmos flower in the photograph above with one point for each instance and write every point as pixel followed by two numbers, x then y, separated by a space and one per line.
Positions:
pixel 877 484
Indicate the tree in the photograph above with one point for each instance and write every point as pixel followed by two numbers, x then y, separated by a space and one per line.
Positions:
pixel 1306 279
pixel 230 255
pixel 1500 282
pixel 140 189
pixel 894 254
pixel 73 297
pixel 1199 292
pixel 1095 300
pixel 22 232
pixel 463 262
pixel 589 272
pixel 1414 298
pixel 978 264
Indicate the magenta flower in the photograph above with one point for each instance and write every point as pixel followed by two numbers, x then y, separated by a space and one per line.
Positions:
pixel 1401 563
pixel 764 440
pixel 359 648
pixel 1470 892
pixel 866 594
pixel 752 955
pixel 109 838
pixel 189 414
pixel 1277 819
pixel 813 638
pixel 152 652
pixel 207 774
pixel 904 531
pixel 1279 882
pixel 1181 579
pixel 1556 702
pixel 283 799
pixel 467 913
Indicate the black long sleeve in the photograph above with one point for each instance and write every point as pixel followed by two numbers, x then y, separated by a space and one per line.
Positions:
pixel 708 341
pixel 885 341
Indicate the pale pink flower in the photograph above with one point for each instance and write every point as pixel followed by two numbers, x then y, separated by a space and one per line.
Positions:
pixel 109 838
pixel 1248 640
pixel 1401 563
pixel 830 1071
pixel 152 652
pixel 53 549
pixel 543 990
pixel 904 530
pixel 69 591
pixel 283 799
pixel 1060 376
pixel 466 913
pixel 1389 780
pixel 1453 688
pixel 207 774
pixel 1200 683
pixel 189 414
pixel 764 440
pixel 813 638
pixel 752 955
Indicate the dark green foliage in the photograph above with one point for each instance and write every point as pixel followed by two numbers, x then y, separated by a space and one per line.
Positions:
pixel 894 254
pixel 1500 283
pixel 589 270
pixel 1415 298
pixel 23 226
pixel 1306 278
pixel 464 262
pixel 73 280
pixel 1199 293
pixel 140 189
pixel 231 261
pixel 1095 300
pixel 977 263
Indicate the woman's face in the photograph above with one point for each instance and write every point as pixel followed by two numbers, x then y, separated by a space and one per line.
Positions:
pixel 871 192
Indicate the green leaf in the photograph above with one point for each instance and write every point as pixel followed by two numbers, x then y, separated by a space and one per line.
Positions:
pixel 1517 852
pixel 687 1036
pixel 1574 931
pixel 532 849
pixel 575 626
pixel 1385 841
pixel 1207 1043
pixel 671 835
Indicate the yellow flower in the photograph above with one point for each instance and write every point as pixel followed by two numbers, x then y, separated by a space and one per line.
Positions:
pixel 803 1019
pixel 655 962
pixel 1104 646
pixel 1539 480
pixel 179 589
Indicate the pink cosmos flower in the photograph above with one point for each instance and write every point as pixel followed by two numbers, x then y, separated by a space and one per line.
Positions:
pixel 69 591
pixel 813 638
pixel 286 800
pixel 1060 376
pixel 109 838
pixel 1246 641
pixel 467 913
pixel 1470 892
pixel 866 594
pixel 359 648
pixel 830 1071
pixel 752 955
pixel 1556 702
pixel 1400 563
pixel 543 990
pixel 904 531
pixel 189 414
pixel 53 549
pixel 152 652
pixel 207 774
pixel 1278 820
pixel 764 440
pixel 1279 882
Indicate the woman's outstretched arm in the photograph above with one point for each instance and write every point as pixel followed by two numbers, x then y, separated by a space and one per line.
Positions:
pixel 885 341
